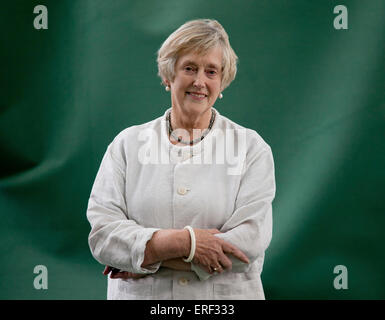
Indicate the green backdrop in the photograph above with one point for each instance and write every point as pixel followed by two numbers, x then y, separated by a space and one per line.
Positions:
pixel 314 93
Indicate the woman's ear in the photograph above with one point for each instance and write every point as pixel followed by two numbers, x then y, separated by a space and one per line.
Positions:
pixel 167 85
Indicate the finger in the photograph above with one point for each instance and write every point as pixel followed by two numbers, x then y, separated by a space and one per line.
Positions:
pixel 114 272
pixel 218 268
pixel 208 269
pixel 119 275
pixel 137 275
pixel 209 264
pixel 228 248
pixel 225 262
pixel 107 270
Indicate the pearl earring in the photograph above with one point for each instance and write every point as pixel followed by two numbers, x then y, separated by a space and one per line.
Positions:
pixel 220 96
pixel 167 88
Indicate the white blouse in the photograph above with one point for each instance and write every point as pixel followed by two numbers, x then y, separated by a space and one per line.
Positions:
pixel 145 183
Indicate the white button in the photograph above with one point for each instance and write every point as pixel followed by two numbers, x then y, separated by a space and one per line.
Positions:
pixel 183 281
pixel 182 191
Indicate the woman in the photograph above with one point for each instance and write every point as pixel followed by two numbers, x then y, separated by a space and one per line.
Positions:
pixel 181 205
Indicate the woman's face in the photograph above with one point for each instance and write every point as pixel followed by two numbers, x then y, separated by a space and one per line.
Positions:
pixel 197 81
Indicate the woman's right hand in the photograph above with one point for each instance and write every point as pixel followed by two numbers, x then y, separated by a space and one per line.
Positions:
pixel 210 252
pixel 117 274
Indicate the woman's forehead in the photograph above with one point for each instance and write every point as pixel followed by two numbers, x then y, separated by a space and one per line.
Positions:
pixel 211 57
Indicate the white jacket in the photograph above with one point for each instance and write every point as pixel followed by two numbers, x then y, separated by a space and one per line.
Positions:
pixel 145 183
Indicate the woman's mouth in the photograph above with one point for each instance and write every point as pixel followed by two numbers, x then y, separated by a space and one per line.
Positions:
pixel 197 96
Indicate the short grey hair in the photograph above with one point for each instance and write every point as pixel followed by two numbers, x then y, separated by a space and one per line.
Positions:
pixel 197 36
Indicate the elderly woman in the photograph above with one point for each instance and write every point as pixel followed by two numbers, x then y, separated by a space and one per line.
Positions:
pixel 181 207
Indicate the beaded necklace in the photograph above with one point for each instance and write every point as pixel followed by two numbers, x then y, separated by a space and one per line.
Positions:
pixel 179 139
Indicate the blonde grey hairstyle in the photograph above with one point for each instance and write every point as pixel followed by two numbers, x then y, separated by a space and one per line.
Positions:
pixel 198 36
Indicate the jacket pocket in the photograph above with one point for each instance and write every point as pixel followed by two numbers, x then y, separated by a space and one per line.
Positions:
pixel 139 288
pixel 248 289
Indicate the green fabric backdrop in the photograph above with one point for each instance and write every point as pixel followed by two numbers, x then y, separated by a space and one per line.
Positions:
pixel 314 93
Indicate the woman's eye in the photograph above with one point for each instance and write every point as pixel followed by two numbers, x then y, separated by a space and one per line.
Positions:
pixel 189 69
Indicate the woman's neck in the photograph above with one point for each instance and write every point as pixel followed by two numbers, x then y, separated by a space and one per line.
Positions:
pixel 189 127
pixel 189 122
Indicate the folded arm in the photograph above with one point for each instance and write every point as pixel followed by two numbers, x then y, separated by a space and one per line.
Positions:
pixel 119 242
pixel 250 226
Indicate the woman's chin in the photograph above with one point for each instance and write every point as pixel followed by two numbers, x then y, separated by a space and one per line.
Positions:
pixel 196 108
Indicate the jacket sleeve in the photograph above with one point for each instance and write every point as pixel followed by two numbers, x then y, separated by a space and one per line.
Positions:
pixel 250 226
pixel 115 240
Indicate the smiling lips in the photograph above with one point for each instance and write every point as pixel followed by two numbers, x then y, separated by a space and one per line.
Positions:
pixel 196 95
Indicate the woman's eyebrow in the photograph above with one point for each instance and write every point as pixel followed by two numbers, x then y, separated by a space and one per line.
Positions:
pixel 189 62
pixel 213 65
pixel 210 65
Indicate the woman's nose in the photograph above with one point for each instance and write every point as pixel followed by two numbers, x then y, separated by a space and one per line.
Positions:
pixel 199 80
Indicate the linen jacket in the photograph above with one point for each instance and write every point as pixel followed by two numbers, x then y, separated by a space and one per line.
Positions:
pixel 145 183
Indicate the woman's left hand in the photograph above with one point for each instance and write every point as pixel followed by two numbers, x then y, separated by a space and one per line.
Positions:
pixel 116 274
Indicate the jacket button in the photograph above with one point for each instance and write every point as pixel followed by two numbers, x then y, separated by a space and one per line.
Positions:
pixel 183 281
pixel 182 191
